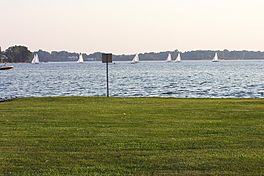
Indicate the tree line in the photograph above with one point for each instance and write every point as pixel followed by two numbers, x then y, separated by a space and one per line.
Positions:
pixel 21 54
pixel 16 54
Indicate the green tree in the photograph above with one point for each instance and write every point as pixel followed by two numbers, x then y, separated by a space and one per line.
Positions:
pixel 18 54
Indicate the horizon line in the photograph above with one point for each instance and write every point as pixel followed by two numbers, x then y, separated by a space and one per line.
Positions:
pixel 144 52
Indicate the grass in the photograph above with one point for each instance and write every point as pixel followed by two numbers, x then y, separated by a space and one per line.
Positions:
pixel 131 136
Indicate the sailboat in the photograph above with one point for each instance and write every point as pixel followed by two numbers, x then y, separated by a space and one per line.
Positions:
pixel 4 67
pixel 80 59
pixel 178 59
pixel 35 59
pixel 135 60
pixel 215 58
pixel 169 59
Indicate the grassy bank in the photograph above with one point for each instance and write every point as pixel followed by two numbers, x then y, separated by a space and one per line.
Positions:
pixel 137 136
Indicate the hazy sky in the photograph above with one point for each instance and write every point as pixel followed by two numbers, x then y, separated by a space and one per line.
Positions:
pixel 131 26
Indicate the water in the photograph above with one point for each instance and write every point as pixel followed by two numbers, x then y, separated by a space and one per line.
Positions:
pixel 192 79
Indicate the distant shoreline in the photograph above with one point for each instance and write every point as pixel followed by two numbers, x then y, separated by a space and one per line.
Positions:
pixel 20 54
pixel 141 60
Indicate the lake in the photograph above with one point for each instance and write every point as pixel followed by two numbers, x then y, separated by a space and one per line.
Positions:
pixel 188 79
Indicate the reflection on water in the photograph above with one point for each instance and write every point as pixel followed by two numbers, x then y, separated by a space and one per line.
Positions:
pixel 198 79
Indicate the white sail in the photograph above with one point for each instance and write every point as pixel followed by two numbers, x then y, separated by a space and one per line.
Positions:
pixel 35 59
pixel 178 59
pixel 136 59
pixel 80 59
pixel 169 59
pixel 216 58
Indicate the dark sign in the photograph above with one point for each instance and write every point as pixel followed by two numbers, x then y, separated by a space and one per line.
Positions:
pixel 107 58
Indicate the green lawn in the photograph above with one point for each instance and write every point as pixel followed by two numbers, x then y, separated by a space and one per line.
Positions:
pixel 131 136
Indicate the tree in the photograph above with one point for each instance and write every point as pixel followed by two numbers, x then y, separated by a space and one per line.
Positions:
pixel 1 53
pixel 18 54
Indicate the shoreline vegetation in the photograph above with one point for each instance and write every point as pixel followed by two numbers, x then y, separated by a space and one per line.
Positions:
pixel 131 136
pixel 130 61
pixel 21 54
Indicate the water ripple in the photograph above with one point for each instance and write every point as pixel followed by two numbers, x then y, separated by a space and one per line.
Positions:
pixel 192 79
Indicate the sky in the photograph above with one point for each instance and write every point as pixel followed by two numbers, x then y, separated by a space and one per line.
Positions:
pixel 132 26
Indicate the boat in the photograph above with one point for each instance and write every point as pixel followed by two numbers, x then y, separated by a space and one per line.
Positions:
pixel 80 59
pixel 216 59
pixel 35 59
pixel 135 59
pixel 6 67
pixel 169 59
pixel 178 59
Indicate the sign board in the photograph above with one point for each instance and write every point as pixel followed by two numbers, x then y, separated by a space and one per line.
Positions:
pixel 107 58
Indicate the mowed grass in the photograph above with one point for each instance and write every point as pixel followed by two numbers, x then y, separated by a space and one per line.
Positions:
pixel 131 136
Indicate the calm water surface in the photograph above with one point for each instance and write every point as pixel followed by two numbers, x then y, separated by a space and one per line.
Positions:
pixel 192 79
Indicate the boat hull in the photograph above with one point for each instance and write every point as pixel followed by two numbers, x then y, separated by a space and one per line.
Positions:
pixel 6 68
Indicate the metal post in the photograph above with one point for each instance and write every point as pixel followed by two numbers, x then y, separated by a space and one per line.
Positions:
pixel 107 58
pixel 107 80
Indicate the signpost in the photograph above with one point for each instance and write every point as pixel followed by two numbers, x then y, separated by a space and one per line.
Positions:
pixel 107 58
